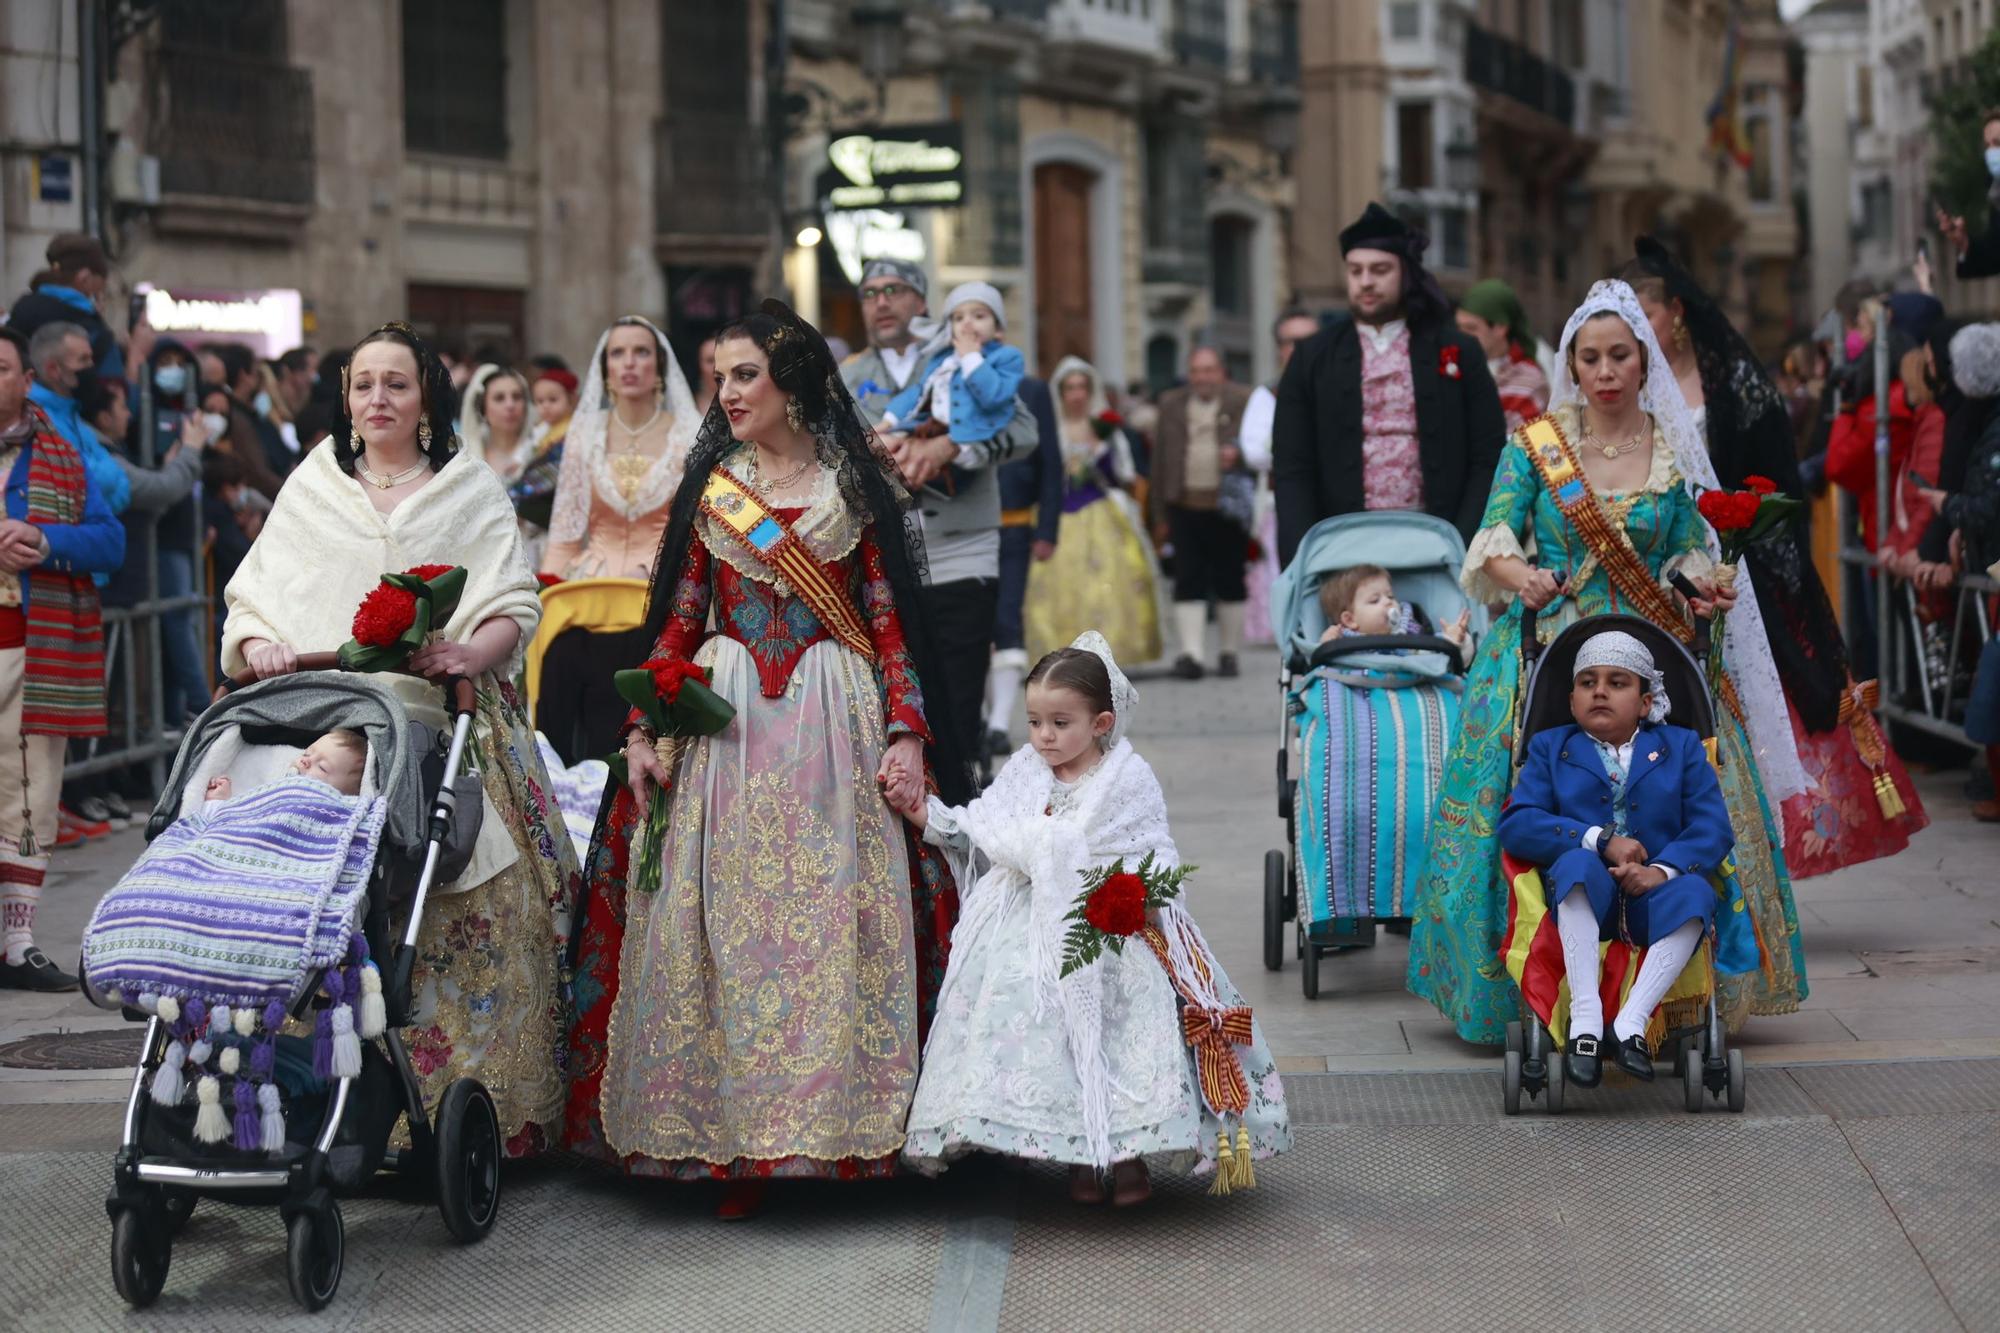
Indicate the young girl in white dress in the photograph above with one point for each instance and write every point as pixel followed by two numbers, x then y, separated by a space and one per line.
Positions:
pixel 1095 1069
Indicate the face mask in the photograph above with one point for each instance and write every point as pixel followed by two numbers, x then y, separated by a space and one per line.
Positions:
pixel 86 382
pixel 262 403
pixel 171 380
pixel 1993 162
pixel 216 423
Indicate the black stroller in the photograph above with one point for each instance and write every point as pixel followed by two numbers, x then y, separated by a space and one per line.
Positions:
pixel 1702 1058
pixel 337 1136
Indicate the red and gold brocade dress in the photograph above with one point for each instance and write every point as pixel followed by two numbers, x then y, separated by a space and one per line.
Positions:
pixel 760 1015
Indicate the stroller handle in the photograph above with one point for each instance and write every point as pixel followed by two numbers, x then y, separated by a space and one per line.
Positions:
pixel 1531 646
pixel 460 693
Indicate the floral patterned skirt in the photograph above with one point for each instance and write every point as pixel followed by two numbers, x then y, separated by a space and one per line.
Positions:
pixel 485 998
pixel 1840 822
pixel 758 1016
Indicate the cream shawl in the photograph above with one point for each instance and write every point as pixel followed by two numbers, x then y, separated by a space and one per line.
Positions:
pixel 324 546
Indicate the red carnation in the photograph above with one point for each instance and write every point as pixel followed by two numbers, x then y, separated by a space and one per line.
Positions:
pixel 1110 418
pixel 1118 906
pixel 1761 485
pixel 547 580
pixel 429 572
pixel 668 675
pixel 1729 511
pixel 1448 361
pixel 384 616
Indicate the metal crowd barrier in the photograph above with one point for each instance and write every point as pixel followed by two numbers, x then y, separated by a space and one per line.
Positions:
pixel 134 681
pixel 1911 694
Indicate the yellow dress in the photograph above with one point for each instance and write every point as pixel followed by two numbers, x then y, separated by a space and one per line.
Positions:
pixel 1103 575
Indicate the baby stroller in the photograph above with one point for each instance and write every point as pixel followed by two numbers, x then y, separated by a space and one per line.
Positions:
pixel 1688 1022
pixel 1365 724
pixel 335 1130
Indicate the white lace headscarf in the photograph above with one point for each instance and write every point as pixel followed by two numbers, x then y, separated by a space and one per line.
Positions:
pixel 1124 695
pixel 584 467
pixel 473 434
pixel 1745 650
pixel 1123 469
pixel 1616 648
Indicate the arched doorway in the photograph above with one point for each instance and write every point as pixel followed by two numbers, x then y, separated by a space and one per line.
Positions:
pixel 1063 323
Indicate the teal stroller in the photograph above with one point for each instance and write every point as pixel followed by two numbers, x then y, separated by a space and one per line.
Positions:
pixel 1365 726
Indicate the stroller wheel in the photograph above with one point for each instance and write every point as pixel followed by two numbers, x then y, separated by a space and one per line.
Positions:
pixel 1737 1077
pixel 1274 911
pixel 1514 1041
pixel 468 1160
pixel 179 1205
pixel 1510 1083
pixel 1557 1083
pixel 142 1248
pixel 1309 967
pixel 1693 1094
pixel 315 1253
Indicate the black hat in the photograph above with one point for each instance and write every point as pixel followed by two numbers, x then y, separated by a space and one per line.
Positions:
pixel 1379 229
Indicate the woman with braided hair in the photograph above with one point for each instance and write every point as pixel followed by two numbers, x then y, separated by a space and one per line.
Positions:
pixel 761 1014
pixel 1852 801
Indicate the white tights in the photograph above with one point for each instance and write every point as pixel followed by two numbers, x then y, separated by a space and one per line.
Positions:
pixel 1664 961
pixel 1576 924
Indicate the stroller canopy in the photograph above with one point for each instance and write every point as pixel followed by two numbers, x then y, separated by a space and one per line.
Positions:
pixel 1422 553
pixel 316 702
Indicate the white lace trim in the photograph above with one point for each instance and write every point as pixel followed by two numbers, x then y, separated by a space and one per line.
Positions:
pixel 1486 544
pixel 829 529
pixel 586 466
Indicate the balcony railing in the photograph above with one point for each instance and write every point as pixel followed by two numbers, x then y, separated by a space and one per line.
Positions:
pixel 1021 11
pixel 1498 65
pixel 1274 43
pixel 1201 34
pixel 233 127
pixel 710 178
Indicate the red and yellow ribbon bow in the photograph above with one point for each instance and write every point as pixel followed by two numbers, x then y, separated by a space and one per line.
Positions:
pixel 1212 1032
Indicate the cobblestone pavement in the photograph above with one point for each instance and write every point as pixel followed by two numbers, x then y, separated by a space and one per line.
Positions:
pixel 1860 1189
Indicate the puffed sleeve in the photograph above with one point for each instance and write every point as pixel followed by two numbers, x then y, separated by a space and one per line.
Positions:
pixel 687 617
pixel 902 695
pixel 1503 529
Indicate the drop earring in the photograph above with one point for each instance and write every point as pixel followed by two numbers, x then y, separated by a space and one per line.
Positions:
pixel 424 433
pixel 796 415
pixel 1680 334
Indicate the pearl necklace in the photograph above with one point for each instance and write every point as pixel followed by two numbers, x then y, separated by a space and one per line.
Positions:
pixel 634 432
pixel 382 483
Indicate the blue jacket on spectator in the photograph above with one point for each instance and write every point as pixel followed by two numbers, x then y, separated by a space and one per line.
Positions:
pixel 107 480
pixel 982 398
pixel 1036 481
pixel 95 546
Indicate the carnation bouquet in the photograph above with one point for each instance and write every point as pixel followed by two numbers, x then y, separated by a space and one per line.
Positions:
pixel 1106 422
pixel 1741 519
pixel 399 614
pixel 1113 907
pixel 675 700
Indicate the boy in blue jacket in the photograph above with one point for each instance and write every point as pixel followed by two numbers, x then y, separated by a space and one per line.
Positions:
pixel 967 388
pixel 1625 816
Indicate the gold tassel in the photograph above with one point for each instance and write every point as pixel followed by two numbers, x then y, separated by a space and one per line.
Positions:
pixel 1887 796
pixel 1225 1165
pixel 28 845
pixel 1246 1174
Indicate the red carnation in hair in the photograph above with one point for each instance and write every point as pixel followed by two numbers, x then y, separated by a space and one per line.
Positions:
pixel 1118 906
pixel 384 616
pixel 1761 485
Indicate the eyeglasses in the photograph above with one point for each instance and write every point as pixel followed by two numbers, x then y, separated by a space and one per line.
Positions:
pixel 888 291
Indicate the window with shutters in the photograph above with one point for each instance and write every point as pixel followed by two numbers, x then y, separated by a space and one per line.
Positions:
pixel 455 77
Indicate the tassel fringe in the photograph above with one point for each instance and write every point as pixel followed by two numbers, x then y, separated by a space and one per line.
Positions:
pixel 273 1119
pixel 1225 1166
pixel 373 1019
pixel 230 1059
pixel 211 1123
pixel 1246 1174
pixel 346 1046
pixel 249 1133
pixel 168 1083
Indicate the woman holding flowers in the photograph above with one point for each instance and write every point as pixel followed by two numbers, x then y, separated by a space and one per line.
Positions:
pixel 1102 575
pixel 751 1006
pixel 1601 489
pixel 390 494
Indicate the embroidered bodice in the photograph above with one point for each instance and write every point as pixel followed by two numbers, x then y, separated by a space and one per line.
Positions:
pixel 776 626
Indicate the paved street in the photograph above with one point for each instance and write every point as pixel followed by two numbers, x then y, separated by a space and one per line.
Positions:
pixel 1861 1188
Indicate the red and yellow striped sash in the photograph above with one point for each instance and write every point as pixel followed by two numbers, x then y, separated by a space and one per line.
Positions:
pixel 741 513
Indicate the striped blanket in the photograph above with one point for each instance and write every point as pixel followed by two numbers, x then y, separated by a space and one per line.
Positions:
pixel 240 904
pixel 1372 747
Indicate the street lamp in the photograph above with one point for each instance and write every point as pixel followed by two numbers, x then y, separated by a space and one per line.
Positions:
pixel 1280 116
pixel 1461 164
pixel 878 28
pixel 809 236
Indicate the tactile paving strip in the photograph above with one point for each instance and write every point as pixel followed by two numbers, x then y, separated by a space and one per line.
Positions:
pixel 1908 1087
pixel 1942 1176
pixel 1473 1098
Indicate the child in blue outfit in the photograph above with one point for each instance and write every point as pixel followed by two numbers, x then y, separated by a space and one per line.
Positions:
pixel 967 388
pixel 1626 817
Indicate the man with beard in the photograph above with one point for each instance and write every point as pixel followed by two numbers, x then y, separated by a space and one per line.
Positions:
pixel 958 500
pixel 1393 408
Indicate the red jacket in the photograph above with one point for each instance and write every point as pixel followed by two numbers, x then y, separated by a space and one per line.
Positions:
pixel 1850 452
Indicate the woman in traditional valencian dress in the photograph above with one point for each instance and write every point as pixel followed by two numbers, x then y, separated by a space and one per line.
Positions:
pixel 390 491
pixel 622 460
pixel 1102 575
pixel 1852 800
pixel 759 1016
pixel 1611 543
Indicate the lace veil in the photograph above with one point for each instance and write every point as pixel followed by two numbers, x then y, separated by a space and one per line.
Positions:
pixel 1124 696
pixel 1746 649
pixel 585 466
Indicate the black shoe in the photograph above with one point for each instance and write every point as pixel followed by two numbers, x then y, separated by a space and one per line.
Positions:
pixel 1187 668
pixel 35 972
pixel 1583 1062
pixel 1633 1057
pixel 1227 667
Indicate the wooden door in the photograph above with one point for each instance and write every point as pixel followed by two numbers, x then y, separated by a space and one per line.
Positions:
pixel 480 322
pixel 1063 325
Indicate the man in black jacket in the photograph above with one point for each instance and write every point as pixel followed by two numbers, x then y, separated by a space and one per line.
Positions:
pixel 1031 506
pixel 1979 256
pixel 1391 409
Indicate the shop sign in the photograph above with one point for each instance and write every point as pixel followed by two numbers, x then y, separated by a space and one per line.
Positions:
pixel 275 317
pixel 859 235
pixel 897 166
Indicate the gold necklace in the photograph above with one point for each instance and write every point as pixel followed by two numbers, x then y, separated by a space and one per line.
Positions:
pixel 778 483
pixel 1609 450
pixel 382 483
pixel 630 467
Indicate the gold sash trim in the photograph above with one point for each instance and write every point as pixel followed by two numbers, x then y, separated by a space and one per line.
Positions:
pixel 1549 450
pixel 741 513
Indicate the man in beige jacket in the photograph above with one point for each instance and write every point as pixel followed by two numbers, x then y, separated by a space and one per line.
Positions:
pixel 1198 479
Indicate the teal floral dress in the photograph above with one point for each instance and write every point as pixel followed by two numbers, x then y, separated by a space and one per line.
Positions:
pixel 1461 905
